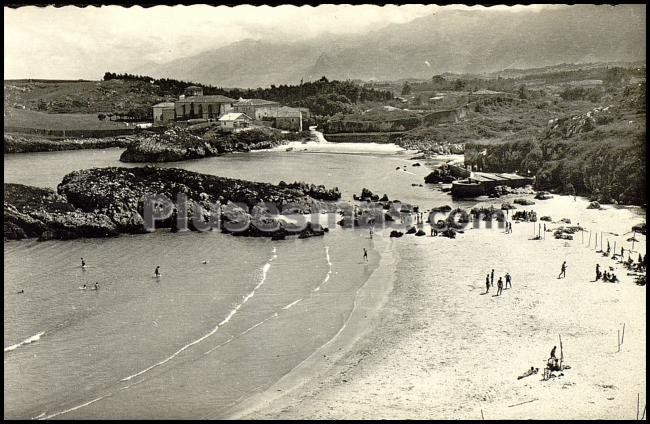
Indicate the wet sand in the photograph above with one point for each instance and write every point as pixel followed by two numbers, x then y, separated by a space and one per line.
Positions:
pixel 439 348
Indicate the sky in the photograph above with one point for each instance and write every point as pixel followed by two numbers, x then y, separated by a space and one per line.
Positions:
pixel 72 42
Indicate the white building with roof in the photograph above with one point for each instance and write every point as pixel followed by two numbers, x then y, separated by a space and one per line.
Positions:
pixel 233 120
pixel 203 107
pixel 256 108
pixel 163 112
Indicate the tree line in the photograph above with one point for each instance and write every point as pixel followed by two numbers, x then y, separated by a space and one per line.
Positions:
pixel 323 97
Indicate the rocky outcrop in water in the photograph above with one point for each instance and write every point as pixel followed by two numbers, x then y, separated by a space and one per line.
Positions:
pixel 41 213
pixel 177 143
pixel 119 193
pixel 104 202
pixel 23 143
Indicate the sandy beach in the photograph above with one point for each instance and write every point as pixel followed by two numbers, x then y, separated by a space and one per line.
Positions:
pixel 439 348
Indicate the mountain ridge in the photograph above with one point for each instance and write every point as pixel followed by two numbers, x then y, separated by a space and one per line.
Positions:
pixel 460 41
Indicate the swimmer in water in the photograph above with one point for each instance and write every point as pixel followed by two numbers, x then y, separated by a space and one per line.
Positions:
pixel 21 291
pixel 96 286
pixel 204 262
pixel 83 263
pixel 83 287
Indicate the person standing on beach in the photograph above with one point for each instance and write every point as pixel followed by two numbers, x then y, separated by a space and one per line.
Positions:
pixel 83 263
pixel 597 272
pixel 487 283
pixel 499 286
pixel 371 233
pixel 365 254
pixel 157 271
pixel 492 278
pixel 563 270
pixel 508 280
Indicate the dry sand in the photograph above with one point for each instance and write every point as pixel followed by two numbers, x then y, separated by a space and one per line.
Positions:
pixel 438 348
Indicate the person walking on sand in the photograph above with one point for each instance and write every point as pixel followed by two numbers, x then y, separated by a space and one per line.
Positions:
pixel 499 286
pixel 563 270
pixel 597 272
pixel 365 254
pixel 492 278
pixel 487 283
pixel 508 280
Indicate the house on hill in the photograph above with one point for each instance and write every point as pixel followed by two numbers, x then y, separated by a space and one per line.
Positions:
pixel 288 118
pixel 193 90
pixel 256 108
pixel 233 120
pixel 163 112
pixel 203 107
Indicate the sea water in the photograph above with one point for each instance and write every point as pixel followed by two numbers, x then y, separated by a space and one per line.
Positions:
pixel 201 337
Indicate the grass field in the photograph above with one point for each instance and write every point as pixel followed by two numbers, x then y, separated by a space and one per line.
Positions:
pixel 25 118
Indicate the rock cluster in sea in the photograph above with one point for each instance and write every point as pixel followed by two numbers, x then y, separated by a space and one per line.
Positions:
pixel 103 202
pixel 178 143
pixel 41 213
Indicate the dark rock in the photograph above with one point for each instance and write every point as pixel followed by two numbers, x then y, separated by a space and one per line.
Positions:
pixel 524 202
pixel 543 195
pixel 420 233
pixel 594 205
pixel 546 218
pixel 445 208
pixel 41 213
pixel 438 176
pixel 396 233
pixel 411 230
pixel 449 232
pixel 639 228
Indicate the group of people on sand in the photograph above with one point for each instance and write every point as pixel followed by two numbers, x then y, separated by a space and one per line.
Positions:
pixel 489 282
pixel 606 276
pixel 508 227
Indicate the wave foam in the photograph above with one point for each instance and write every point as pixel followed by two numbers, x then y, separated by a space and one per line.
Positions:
pixel 329 271
pixel 28 340
pixel 265 270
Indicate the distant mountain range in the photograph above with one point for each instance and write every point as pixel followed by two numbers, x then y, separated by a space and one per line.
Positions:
pixel 448 41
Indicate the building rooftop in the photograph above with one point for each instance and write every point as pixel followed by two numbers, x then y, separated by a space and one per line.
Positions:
pixel 233 116
pixel 486 92
pixel 255 102
pixel 217 98
pixel 164 104
pixel 288 112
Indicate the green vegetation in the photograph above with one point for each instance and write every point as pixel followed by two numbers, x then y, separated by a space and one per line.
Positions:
pixel 322 97
pixel 19 118
pixel 598 152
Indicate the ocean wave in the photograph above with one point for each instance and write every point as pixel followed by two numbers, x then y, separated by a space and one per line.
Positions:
pixel 291 304
pixel 329 271
pixel 28 340
pixel 40 417
pixel 265 270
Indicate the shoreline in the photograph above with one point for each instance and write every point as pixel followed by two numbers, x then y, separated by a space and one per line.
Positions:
pixel 369 301
pixel 435 317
